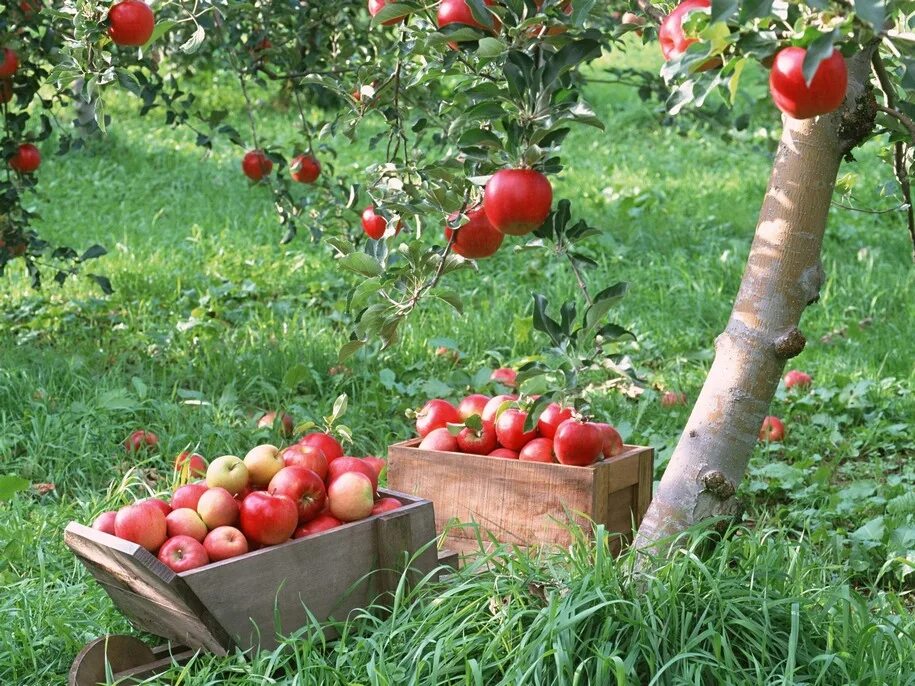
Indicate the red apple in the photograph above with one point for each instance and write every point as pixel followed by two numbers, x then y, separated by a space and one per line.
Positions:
pixel 386 505
pixel 163 506
pixel 263 462
pixel 268 519
pixel 671 399
pixel 324 442
pixel 797 378
pixel 351 497
pixel 228 472
pixel 131 23
pixel 613 442
pixel 505 376
pixel 268 420
pixel 351 464
pixel 305 168
pixel 6 90
pixel 308 456
pixel 458 12
pixel 9 65
pixel 772 429
pixel 578 443
pixel 375 6
pixel 551 418
pixel 510 429
pixel 182 553
pixel 794 96
pixel 217 507
pixel 185 522
pixel 374 225
pixel 196 464
pixel 434 415
pixel 439 439
pixel 538 450
pixel 323 522
pixel 143 524
pixel 633 19
pixel 475 239
pixel 480 442
pixel 471 405
pixel 304 487
pixel 140 439
pixel 517 201
pixel 188 496
pixel 105 522
pixel 376 463
pixel 506 453
pixel 26 160
pixel 673 39
pixel 495 403
pixel 225 542
pixel 256 165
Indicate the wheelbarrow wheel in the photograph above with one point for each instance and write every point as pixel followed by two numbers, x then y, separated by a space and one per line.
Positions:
pixel 118 653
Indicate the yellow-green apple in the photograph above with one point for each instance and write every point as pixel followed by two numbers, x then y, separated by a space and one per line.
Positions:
pixel 228 472
pixel 225 542
pixel 161 504
pixel 482 442
pixel 188 495
pixel 552 416
pixel 143 524
pixel 140 439
pixel 505 376
pixel 268 519
pixel 217 507
pixel 505 453
pixel 307 456
pixel 263 462
pixel 496 404
pixel 286 427
pixel 185 522
pixel 613 442
pixel 386 505
pixel 182 553
pixel 772 429
pixel 326 443
pixel 351 464
pixel 105 522
pixel 194 463
pixel 797 378
pixel 323 522
pixel 439 439
pixel 510 429
pixel 351 497
pixel 471 405
pixel 304 487
pixel 435 414
pixel 578 443
pixel 537 450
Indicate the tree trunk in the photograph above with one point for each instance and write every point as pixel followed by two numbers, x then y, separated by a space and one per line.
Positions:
pixel 783 275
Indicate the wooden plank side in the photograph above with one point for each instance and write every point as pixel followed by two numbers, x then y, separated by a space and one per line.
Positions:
pixel 399 537
pixel 518 502
pixel 642 494
pixel 160 602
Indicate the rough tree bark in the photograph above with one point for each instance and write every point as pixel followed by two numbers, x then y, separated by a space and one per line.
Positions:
pixel 782 277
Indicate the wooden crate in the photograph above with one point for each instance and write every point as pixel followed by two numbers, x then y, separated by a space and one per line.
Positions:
pixel 253 599
pixel 523 503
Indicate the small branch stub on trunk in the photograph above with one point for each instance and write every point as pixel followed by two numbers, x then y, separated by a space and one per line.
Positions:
pixel 790 344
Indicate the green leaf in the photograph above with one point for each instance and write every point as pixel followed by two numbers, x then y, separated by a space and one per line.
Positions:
pixel 392 11
pixel 363 264
pixel 569 56
pixel 479 138
pixel 295 376
pixel 873 12
pixel 817 51
pixel 449 297
pixel 349 349
pixel 490 47
pixel 10 485
pixel 475 422
pixel 543 322
pixel 340 405
pixel 871 531
pixel 363 291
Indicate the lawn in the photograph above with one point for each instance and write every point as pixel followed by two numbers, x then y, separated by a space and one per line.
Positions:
pixel 212 320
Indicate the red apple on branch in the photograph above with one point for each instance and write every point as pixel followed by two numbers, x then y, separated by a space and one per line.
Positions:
pixel 305 168
pixel 374 225
pixel 256 165
pixel 674 40
pixel 131 23
pixel 9 65
pixel 800 100
pixel 475 239
pixel 517 201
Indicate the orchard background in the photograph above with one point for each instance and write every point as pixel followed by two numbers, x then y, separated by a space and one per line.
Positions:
pixel 211 299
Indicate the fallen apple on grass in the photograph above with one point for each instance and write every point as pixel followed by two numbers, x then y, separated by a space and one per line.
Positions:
pixel 286 425
pixel 797 379
pixel 139 440
pixel 772 430
pixel 194 463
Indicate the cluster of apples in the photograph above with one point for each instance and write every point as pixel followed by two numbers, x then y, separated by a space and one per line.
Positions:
pixel 267 498
pixel 773 428
pixel 495 426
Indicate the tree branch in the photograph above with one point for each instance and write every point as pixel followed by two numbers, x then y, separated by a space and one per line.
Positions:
pixel 652 12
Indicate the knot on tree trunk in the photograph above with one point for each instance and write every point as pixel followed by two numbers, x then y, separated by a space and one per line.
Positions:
pixel 716 483
pixel 790 344
pixel 857 122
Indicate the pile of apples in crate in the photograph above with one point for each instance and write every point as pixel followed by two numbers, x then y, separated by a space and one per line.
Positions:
pixel 267 498
pixel 495 426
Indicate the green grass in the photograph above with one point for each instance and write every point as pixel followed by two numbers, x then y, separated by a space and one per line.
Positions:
pixel 212 320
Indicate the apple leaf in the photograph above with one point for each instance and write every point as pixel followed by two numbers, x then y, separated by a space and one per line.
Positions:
pixel 10 485
pixel 362 264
